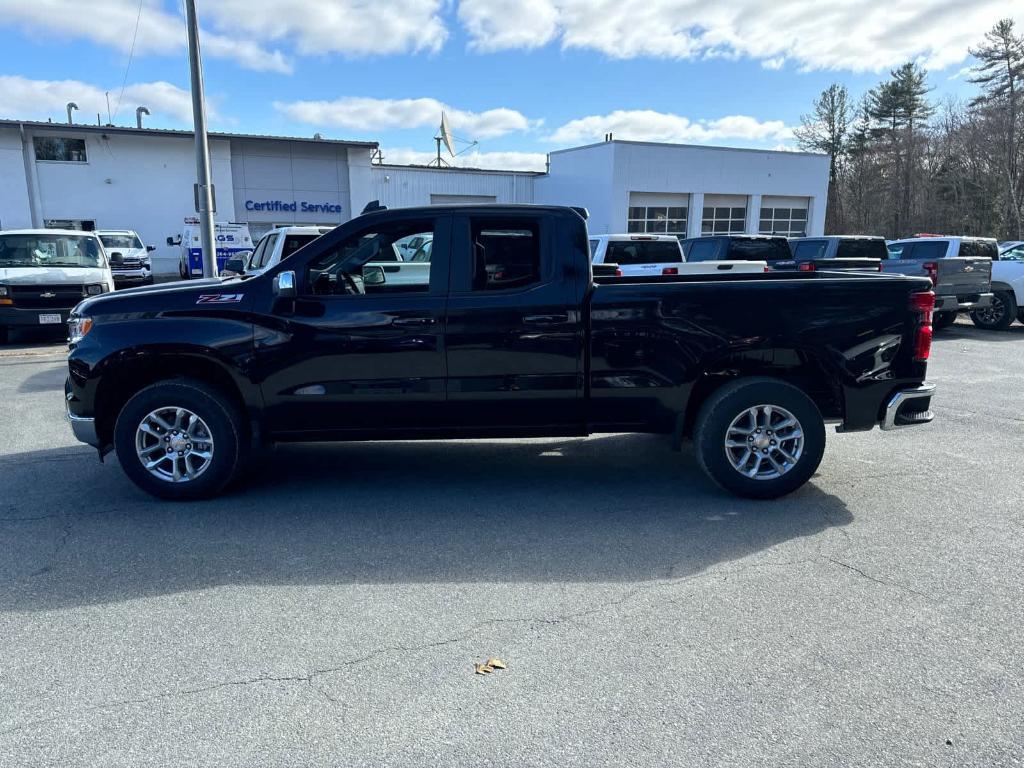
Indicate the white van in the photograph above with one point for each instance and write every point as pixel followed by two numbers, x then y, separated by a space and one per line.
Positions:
pixel 232 240
pixel 44 273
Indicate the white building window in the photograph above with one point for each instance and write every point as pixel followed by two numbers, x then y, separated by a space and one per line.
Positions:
pixel 61 150
pixel 720 219
pixel 661 219
pixel 789 222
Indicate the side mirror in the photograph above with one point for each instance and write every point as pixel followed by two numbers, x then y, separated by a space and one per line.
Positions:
pixel 150 248
pixel 284 285
pixel 235 266
pixel 174 241
pixel 373 275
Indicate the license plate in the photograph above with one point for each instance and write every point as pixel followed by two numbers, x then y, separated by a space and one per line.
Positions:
pixel 50 319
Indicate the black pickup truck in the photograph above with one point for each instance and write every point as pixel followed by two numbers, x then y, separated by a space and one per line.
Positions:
pixel 508 334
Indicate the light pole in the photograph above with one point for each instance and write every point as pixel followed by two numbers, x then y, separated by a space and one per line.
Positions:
pixel 204 193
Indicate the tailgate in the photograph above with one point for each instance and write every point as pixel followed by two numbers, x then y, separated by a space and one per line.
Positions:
pixel 964 276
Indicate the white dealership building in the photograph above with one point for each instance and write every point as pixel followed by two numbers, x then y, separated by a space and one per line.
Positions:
pixel 106 177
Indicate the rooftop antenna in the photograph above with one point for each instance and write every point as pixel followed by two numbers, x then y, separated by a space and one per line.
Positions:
pixel 446 137
pixel 71 106
pixel 110 119
pixel 138 115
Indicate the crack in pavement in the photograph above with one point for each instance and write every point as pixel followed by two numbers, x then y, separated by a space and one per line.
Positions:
pixel 877 580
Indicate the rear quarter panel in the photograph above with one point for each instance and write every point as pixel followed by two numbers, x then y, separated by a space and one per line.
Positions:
pixel 652 343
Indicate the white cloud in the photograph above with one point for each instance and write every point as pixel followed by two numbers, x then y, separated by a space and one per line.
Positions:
pixel 351 27
pixel 857 35
pixel 42 99
pixel 648 125
pixel 368 114
pixel 506 161
pixel 112 23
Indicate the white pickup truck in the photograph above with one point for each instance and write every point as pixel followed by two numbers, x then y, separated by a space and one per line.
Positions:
pixel 1008 288
pixel 651 255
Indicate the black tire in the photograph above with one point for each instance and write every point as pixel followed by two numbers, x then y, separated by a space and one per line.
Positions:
pixel 3 334
pixel 730 401
pixel 226 427
pixel 1000 315
pixel 943 320
pixel 1020 316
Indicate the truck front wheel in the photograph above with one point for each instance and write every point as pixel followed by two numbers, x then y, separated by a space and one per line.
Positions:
pixel 180 439
pixel 759 437
pixel 999 316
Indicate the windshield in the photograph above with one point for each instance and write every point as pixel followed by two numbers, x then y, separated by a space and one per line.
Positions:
pixel 121 241
pixel 45 250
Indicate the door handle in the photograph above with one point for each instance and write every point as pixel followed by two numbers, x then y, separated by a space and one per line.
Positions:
pixel 546 319
pixel 406 321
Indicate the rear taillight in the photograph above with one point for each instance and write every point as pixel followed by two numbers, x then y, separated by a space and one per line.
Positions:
pixel 670 270
pixel 807 266
pixel 618 272
pixel 932 270
pixel 924 305
pixel 879 266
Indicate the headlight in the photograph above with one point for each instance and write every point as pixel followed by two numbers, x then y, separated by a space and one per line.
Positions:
pixel 3 290
pixel 78 328
pixel 93 290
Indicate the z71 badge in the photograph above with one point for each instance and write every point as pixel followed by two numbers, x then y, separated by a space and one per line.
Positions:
pixel 220 298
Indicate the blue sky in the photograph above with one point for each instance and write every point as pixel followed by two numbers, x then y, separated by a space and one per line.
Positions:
pixel 521 76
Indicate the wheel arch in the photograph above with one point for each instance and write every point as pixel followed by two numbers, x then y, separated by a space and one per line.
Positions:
pixel 810 372
pixel 128 373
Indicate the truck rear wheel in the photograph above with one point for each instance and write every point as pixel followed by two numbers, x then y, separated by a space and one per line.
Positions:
pixel 759 437
pixel 943 320
pixel 180 439
pixel 999 316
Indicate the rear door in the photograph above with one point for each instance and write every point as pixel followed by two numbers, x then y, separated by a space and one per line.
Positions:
pixel 514 334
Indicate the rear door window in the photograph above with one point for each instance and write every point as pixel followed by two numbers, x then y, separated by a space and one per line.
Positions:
pixel 862 249
pixel 702 250
pixel 643 252
pixel 809 250
pixel 506 253
pixel 292 243
pixel 759 249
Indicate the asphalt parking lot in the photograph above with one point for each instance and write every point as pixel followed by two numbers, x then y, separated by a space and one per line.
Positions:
pixel 330 613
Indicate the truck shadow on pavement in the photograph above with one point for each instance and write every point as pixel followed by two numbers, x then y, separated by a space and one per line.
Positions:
pixel 969 332
pixel 616 508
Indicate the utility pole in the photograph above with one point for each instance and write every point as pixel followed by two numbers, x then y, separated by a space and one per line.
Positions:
pixel 204 193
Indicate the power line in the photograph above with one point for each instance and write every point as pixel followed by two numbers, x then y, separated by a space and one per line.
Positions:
pixel 131 54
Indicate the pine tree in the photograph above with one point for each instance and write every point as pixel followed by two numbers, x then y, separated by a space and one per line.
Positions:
pixel 1000 73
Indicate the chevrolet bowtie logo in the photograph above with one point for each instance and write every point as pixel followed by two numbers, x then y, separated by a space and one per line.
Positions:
pixel 47 295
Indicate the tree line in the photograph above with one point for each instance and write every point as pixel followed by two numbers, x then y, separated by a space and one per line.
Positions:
pixel 903 164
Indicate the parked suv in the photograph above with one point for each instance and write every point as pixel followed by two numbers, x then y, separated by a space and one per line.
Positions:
pixel 1008 290
pixel 129 258
pixel 44 273
pixel 960 269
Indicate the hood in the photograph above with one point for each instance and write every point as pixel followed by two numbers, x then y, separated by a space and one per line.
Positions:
pixel 98 303
pixel 126 253
pixel 52 275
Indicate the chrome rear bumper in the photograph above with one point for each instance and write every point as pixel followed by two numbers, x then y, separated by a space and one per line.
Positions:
pixel 900 411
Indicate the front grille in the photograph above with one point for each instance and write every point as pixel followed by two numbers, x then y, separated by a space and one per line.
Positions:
pixel 45 296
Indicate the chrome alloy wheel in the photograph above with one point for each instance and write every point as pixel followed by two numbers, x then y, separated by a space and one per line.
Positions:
pixel 174 444
pixel 764 442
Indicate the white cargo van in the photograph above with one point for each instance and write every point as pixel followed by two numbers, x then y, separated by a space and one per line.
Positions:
pixel 232 240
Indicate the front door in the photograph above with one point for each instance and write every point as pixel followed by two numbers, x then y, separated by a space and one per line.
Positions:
pixel 359 349
pixel 514 336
